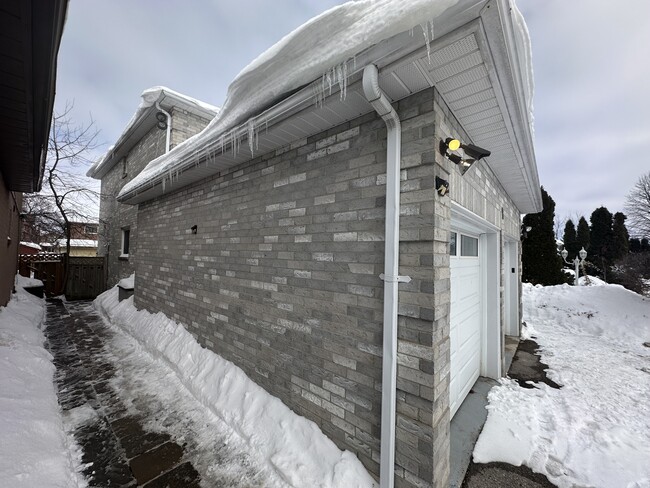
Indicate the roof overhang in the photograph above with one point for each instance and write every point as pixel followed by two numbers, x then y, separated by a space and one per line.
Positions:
pixel 143 121
pixel 31 35
pixel 473 63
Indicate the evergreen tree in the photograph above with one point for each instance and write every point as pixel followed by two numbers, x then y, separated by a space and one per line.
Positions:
pixel 601 250
pixel 570 239
pixel 635 245
pixel 583 235
pixel 541 263
pixel 621 238
pixel 645 245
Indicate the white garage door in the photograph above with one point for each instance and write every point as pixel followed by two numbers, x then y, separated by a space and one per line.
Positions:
pixel 465 317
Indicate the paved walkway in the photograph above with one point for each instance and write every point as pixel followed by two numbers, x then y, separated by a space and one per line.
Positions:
pixel 117 450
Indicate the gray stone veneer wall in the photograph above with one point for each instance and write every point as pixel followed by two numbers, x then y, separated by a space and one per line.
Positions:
pixel 282 278
pixel 115 216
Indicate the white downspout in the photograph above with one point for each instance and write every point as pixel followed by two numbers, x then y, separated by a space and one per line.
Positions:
pixel 383 107
pixel 169 126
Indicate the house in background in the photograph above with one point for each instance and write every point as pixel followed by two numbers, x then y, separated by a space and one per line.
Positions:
pixel 163 120
pixel 326 236
pixel 29 248
pixel 31 35
pixel 78 247
pixel 84 230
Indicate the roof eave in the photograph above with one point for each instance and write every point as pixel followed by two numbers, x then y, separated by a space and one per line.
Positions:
pixel 143 123
pixel 489 20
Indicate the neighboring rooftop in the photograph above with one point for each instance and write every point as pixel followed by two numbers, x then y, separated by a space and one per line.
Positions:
pixel 77 243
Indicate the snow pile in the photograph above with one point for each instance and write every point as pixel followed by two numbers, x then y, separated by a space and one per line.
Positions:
pixel 595 431
pixel 127 283
pixel 325 46
pixel 35 450
pixel 291 445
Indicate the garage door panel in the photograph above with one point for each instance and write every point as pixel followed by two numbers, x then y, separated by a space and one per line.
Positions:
pixel 465 327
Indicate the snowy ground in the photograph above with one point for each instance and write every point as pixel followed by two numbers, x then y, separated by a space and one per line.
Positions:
pixel 595 431
pixel 235 430
pixel 36 449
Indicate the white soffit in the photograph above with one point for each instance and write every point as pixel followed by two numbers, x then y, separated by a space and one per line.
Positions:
pixel 462 71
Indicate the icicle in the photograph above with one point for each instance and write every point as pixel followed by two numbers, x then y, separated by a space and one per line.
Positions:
pixel 251 136
pixel 345 81
pixel 163 183
pixel 425 31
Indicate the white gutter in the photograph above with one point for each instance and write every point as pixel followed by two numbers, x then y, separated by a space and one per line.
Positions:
pixel 169 126
pixel 382 106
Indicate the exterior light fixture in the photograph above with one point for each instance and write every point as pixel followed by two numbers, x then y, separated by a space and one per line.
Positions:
pixel 524 231
pixel 469 153
pixel 580 260
pixel 442 186
pixel 162 120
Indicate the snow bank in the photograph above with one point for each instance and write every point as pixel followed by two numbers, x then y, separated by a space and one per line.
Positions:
pixel 323 45
pixel 23 282
pixel 293 446
pixel 35 451
pixel 595 431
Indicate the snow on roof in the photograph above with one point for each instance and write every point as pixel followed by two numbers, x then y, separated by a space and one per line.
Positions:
pixel 312 51
pixel 30 244
pixel 78 243
pixel 299 58
pixel 149 98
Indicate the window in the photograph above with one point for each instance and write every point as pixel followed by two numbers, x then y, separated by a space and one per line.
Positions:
pixel 126 234
pixel 124 172
pixel 468 246
pixel 90 229
pixel 452 244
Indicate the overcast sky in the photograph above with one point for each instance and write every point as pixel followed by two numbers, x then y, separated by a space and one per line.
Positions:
pixel 590 57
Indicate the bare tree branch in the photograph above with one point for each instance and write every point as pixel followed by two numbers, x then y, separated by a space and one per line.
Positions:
pixel 637 207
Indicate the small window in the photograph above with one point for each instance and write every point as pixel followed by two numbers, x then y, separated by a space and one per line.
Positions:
pixel 468 246
pixel 452 244
pixel 91 229
pixel 124 172
pixel 126 235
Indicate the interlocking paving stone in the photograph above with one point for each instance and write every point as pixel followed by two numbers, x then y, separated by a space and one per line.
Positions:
pixel 133 437
pixel 117 450
pixel 183 476
pixel 152 464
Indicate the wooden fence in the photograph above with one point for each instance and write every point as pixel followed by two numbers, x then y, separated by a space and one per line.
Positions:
pixel 47 267
pixel 86 275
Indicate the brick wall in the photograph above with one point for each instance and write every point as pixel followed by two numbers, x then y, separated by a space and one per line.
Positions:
pixel 115 216
pixel 282 278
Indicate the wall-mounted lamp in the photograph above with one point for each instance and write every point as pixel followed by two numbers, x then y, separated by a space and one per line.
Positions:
pixel 442 186
pixel 162 120
pixel 470 153
pixel 525 230
pixel 195 229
